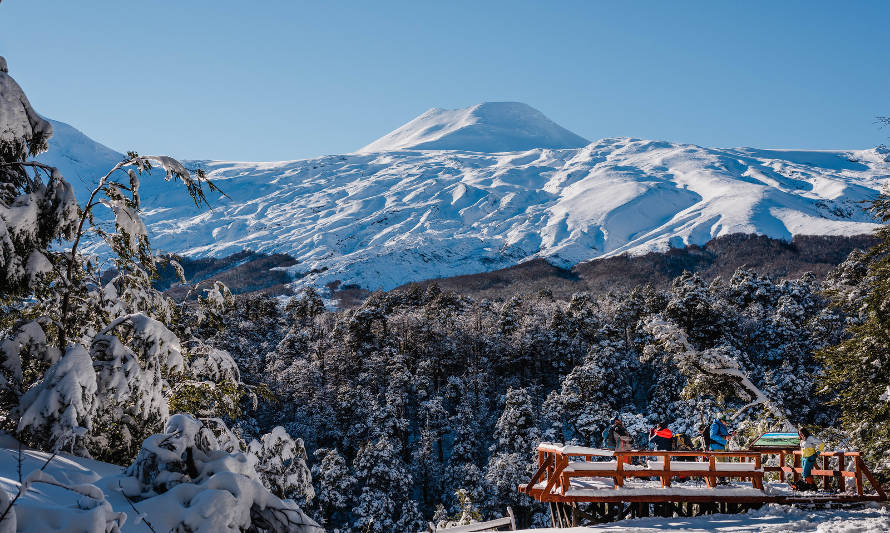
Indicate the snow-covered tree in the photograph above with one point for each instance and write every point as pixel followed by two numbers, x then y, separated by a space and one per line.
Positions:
pixel 384 504
pixel 513 458
pixel 124 362
pixel 335 485
pixel 463 470
pixel 857 371
pixel 593 392
pixel 281 463
pixel 59 410
pixel 715 370
pixel 37 205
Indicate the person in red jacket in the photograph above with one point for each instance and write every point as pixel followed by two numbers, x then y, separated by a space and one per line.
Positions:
pixel 661 437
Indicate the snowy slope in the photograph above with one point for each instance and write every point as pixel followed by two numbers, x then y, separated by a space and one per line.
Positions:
pixel 81 159
pixel 386 218
pixel 485 127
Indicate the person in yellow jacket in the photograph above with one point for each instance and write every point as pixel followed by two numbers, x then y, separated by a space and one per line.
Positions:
pixel 810 448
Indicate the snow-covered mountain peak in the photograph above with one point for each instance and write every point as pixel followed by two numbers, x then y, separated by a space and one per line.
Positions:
pixel 487 127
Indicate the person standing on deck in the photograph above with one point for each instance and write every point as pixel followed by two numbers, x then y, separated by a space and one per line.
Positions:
pixel 719 434
pixel 703 440
pixel 616 437
pixel 810 448
pixel 661 437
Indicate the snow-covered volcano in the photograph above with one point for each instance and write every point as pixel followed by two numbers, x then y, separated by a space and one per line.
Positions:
pixel 485 127
pixel 381 219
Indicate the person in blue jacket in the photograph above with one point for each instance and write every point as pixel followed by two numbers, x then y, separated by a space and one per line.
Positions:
pixel 719 433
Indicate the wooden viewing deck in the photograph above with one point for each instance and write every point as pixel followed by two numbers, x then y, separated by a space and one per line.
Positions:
pixel 591 485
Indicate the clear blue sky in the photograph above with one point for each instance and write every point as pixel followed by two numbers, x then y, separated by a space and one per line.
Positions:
pixel 270 80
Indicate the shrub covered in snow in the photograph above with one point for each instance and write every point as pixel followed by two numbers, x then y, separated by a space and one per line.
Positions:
pixel 184 481
pixel 281 463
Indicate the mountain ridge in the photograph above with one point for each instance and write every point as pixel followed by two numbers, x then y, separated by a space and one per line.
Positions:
pixel 383 219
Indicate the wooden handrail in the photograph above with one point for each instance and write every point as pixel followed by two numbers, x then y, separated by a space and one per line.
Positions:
pixel 540 472
pixel 553 461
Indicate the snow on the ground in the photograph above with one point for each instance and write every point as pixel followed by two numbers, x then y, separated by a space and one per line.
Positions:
pixel 769 519
pixel 382 219
pixel 75 495
pixel 47 507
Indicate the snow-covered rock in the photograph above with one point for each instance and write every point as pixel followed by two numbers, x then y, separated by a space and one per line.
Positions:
pixel 381 219
pixel 485 127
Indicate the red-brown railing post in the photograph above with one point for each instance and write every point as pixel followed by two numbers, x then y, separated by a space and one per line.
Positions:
pixel 712 468
pixel 619 469
pixel 797 465
pixel 666 479
pixel 826 478
pixel 554 475
pixel 874 482
pixel 543 467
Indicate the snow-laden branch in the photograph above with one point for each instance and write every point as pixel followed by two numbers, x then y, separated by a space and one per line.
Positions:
pixel 126 212
pixel 714 362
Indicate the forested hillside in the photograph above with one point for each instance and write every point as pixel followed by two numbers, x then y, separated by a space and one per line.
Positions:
pixel 415 395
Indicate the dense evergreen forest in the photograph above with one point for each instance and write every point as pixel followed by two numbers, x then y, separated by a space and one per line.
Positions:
pixel 419 397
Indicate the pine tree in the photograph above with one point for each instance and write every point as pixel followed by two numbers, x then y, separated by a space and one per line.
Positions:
pixel 37 205
pixel 857 370
pixel 428 457
pixel 467 449
pixel 281 463
pixel 335 485
pixel 385 503
pixel 593 392
pixel 512 460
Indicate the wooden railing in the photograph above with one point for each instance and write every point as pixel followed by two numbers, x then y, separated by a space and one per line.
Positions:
pixel 828 473
pixel 554 471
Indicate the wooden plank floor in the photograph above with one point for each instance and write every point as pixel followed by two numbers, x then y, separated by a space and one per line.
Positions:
pixel 537 494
